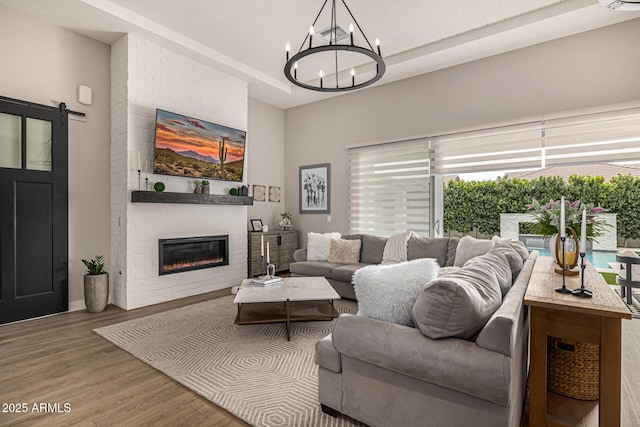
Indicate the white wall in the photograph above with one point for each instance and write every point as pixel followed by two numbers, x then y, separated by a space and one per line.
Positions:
pixel 45 64
pixel 596 68
pixel 266 159
pixel 145 77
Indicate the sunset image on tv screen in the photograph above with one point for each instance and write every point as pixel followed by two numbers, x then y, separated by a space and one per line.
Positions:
pixel 195 148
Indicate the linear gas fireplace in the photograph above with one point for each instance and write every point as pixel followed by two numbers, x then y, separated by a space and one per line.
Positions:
pixel 192 253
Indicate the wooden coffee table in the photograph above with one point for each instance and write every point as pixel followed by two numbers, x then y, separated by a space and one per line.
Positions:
pixel 295 299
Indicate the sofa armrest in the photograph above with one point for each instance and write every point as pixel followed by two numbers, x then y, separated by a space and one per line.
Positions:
pixel 327 356
pixel 300 255
pixel 450 362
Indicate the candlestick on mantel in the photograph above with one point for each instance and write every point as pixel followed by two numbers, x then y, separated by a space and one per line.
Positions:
pixel 583 233
pixel 563 226
pixel 139 160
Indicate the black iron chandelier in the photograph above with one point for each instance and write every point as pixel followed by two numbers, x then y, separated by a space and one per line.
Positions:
pixel 335 34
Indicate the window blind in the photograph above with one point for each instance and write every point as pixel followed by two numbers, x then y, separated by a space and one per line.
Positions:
pixel 593 138
pixel 389 188
pixel 503 148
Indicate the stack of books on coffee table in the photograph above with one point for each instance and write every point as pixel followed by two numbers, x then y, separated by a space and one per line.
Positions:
pixel 266 280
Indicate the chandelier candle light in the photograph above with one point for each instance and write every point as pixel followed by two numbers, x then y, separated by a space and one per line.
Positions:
pixel 334 32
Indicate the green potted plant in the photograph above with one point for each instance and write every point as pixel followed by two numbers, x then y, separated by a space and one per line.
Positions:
pixel 198 189
pixel 96 285
pixel 205 186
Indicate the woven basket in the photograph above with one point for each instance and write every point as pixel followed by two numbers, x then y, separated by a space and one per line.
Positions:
pixel 573 368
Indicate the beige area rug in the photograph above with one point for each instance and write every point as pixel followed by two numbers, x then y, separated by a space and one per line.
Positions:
pixel 251 371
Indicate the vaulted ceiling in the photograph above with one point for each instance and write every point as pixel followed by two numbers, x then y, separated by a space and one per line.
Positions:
pixel 247 37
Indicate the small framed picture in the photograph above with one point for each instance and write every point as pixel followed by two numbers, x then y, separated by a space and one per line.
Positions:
pixel 256 225
pixel 274 194
pixel 259 193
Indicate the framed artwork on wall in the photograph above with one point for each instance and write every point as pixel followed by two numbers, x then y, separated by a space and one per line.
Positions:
pixel 315 188
pixel 259 193
pixel 274 194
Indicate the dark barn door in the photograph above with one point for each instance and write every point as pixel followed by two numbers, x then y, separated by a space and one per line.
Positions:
pixel 33 210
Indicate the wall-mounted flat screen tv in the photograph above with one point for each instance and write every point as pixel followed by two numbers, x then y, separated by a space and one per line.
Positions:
pixel 190 147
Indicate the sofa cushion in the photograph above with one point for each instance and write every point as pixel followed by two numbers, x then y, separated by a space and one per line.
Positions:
pixel 458 304
pixel 498 262
pixel 372 249
pixel 468 248
pixel 424 247
pixel 515 261
pixel 344 273
pixel 344 251
pixel 395 250
pixel 312 268
pixel 451 251
pixel 521 248
pixel 499 333
pixel 387 292
pixel 319 245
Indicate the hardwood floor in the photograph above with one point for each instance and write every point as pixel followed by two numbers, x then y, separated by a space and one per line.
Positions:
pixel 59 359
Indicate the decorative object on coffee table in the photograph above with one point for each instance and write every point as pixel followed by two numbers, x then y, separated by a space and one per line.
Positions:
pixel 96 285
pixel 159 186
pixel 315 188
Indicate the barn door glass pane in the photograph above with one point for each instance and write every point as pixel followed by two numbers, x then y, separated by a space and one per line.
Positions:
pixel 38 144
pixel 10 147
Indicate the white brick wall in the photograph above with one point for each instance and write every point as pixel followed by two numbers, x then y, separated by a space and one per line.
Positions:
pixel 154 77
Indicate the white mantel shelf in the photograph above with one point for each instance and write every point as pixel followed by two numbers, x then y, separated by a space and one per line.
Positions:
pixel 189 198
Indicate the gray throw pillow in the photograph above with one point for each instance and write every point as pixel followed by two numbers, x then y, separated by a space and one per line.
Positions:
pixel 372 249
pixel 468 248
pixel 458 304
pixel 498 262
pixel 515 261
pixel 521 249
pixel 424 247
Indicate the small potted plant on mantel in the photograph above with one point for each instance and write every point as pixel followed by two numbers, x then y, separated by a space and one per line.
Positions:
pixel 96 285
pixel 205 186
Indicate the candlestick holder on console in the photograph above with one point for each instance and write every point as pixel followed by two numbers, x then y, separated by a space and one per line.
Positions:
pixel 581 291
pixel 563 289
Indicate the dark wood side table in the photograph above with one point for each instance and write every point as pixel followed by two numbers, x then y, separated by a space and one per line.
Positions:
pixel 596 320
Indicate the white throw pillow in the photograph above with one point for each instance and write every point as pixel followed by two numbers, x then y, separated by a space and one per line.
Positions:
pixel 319 245
pixel 635 268
pixel 387 292
pixel 468 248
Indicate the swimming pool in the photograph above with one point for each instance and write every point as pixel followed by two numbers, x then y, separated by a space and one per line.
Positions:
pixel 598 259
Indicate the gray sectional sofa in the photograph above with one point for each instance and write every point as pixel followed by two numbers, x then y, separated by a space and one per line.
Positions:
pixel 372 249
pixel 384 374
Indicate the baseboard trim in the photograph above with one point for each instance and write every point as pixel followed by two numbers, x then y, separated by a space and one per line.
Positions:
pixel 77 305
